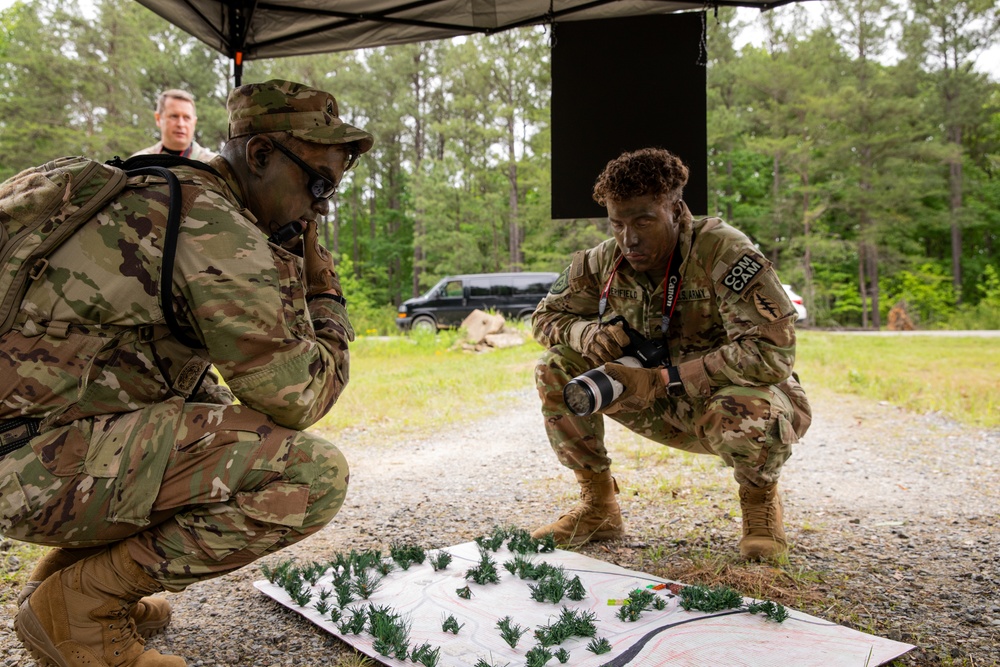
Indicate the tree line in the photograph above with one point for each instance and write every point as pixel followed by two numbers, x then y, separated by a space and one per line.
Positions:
pixel 867 181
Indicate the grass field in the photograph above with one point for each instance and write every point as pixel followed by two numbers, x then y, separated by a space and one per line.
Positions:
pixel 956 376
pixel 414 384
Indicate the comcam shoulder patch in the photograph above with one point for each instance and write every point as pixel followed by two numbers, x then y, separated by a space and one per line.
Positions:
pixel 742 273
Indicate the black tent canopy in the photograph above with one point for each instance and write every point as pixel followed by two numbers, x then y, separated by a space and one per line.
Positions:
pixel 253 29
pixel 665 35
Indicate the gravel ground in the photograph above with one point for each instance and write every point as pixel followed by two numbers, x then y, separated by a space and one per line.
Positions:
pixel 893 519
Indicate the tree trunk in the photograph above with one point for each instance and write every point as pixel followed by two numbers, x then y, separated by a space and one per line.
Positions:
pixel 515 233
pixel 955 214
pixel 418 149
pixel 334 243
pixel 807 272
pixel 515 259
pixel 729 192
pixel 862 291
pixel 356 250
pixel 371 214
pixel 873 285
pixel 775 190
pixel 496 246
pixel 866 235
pixel 418 252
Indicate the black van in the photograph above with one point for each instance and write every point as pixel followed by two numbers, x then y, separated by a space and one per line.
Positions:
pixel 513 295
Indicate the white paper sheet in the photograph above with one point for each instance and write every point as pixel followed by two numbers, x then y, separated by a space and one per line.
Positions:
pixel 672 636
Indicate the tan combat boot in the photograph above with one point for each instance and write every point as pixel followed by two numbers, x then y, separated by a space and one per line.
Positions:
pixel 151 615
pixel 79 617
pixel 763 534
pixel 595 517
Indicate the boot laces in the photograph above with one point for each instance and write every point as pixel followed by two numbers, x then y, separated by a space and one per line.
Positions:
pixel 579 510
pixel 587 505
pixel 759 510
pixel 125 633
pixel 588 501
pixel 759 515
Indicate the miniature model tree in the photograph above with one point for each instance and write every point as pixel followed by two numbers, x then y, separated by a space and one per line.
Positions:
pixel 510 632
pixel 451 625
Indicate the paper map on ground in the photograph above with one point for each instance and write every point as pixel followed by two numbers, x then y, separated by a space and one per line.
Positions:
pixel 425 598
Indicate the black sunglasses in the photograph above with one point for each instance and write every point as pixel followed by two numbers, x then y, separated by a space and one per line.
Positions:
pixel 320 186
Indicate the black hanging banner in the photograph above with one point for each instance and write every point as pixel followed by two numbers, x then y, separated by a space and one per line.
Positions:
pixel 620 85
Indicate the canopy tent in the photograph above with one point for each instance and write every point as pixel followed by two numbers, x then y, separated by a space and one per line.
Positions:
pixel 672 39
pixel 253 29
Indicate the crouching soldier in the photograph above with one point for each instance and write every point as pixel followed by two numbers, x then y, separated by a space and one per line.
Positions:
pixel 702 291
pixel 119 447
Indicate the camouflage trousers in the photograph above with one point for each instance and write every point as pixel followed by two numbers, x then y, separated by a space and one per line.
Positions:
pixel 750 428
pixel 195 490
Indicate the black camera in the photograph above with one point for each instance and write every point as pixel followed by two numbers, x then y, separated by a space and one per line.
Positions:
pixel 595 390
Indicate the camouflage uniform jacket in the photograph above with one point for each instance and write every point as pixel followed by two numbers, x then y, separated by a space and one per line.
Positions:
pixel 733 322
pixel 91 339
pixel 194 152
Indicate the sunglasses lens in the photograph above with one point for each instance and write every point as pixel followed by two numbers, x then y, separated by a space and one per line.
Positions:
pixel 317 189
pixel 322 188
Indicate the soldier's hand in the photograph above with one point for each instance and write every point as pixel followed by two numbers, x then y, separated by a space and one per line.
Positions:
pixel 642 387
pixel 318 264
pixel 602 343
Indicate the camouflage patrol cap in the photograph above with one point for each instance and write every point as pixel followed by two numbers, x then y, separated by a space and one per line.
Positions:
pixel 307 113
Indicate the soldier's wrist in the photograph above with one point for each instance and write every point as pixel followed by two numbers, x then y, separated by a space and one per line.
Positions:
pixel 577 330
pixel 694 377
pixel 332 295
pixel 672 379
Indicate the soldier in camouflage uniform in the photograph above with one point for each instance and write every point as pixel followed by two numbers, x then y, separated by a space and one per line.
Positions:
pixel 703 290
pixel 175 116
pixel 135 462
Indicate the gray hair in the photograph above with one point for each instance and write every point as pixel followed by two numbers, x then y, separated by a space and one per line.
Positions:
pixel 173 93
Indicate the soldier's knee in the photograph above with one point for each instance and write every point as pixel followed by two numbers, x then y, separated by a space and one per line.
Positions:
pixel 557 366
pixel 336 470
pixel 322 466
pixel 728 415
pixel 745 426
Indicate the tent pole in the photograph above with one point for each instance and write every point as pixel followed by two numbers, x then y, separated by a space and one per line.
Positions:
pixel 238 68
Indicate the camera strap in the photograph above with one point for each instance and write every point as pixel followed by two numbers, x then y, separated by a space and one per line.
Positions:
pixel 671 287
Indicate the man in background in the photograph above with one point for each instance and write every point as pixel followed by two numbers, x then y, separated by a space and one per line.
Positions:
pixel 176 118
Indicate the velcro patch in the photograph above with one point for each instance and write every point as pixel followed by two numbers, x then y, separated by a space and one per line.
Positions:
pixel 766 306
pixel 623 293
pixel 561 283
pixel 742 273
pixel 696 294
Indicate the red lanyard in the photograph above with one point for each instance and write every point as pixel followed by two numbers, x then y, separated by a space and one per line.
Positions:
pixel 671 285
pixel 602 303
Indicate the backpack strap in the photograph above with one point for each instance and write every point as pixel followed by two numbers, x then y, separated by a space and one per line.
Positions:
pixel 170 248
pixel 161 160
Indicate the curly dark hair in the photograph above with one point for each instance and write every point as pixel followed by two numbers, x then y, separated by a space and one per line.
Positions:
pixel 647 171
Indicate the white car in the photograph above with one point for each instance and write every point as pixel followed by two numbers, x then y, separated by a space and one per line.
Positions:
pixel 797 302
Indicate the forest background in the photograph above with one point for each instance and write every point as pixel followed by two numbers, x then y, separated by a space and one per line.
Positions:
pixel 861 153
